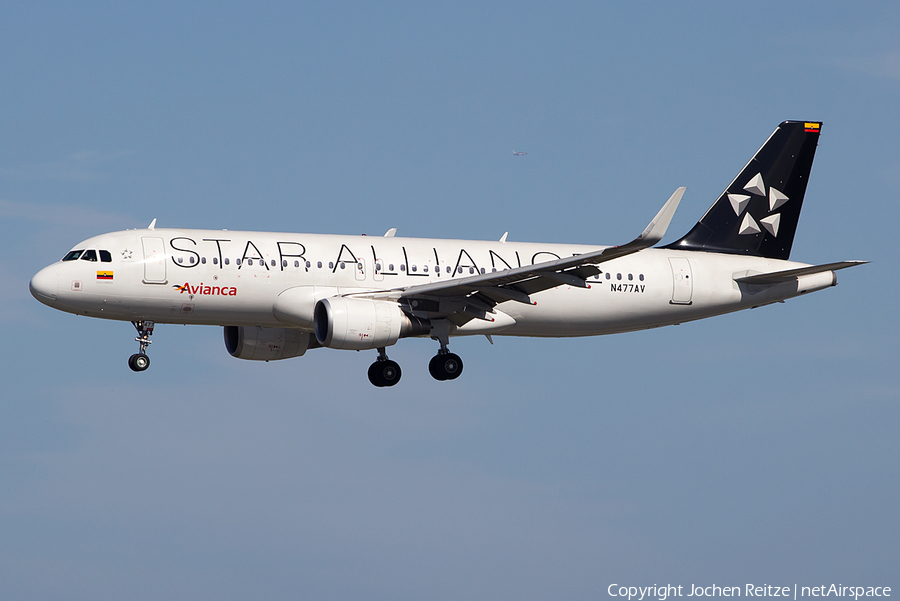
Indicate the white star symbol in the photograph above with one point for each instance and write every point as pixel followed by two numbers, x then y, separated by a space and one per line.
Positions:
pixel 757 186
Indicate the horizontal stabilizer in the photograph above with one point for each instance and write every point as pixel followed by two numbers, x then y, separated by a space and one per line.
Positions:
pixel 776 277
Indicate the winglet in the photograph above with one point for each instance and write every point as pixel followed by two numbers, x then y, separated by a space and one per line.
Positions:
pixel 390 233
pixel 152 225
pixel 655 231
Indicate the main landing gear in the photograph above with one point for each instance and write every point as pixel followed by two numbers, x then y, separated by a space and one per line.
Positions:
pixel 443 366
pixel 140 361
pixel 384 372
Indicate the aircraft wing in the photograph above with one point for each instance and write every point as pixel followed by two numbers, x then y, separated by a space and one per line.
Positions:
pixel 478 294
pixel 776 277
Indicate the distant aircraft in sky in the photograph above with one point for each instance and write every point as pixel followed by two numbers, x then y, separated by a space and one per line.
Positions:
pixel 280 294
pixel 519 154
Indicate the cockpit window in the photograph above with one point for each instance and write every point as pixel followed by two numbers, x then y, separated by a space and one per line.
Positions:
pixel 73 255
pixel 89 255
pixel 105 256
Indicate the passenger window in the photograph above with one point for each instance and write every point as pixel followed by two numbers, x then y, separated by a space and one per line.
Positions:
pixel 273 262
pixel 343 265
pixel 448 269
pixel 471 270
pixel 319 264
pixel 391 267
pixel 180 260
pixel 402 267
pixel 482 271
pixel 330 265
pixel 237 262
pixel 227 261
pixel 296 264
pixel 203 260
pixel 413 267
pixel 618 276
pixel 72 255
pixel 89 255
pixel 105 256
pixel 608 275
pixel 215 260
pixel 284 263
pixel 249 262
pixel 641 277
pixel 190 259
pixel 630 277
pixel 425 268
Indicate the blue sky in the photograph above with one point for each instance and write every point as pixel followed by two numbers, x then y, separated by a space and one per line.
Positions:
pixel 757 447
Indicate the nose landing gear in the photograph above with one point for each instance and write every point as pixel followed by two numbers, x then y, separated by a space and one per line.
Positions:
pixel 140 361
pixel 384 372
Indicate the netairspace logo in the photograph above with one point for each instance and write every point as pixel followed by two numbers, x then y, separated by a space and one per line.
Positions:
pixel 661 593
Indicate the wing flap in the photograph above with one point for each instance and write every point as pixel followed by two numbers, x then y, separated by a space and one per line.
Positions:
pixel 572 271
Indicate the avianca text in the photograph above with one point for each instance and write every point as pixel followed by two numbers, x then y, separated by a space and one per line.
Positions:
pixel 203 290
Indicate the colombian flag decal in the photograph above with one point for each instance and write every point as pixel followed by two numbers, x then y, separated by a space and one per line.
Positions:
pixel 812 127
pixel 104 275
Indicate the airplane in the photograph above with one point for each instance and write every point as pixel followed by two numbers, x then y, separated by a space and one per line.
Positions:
pixel 519 154
pixel 279 295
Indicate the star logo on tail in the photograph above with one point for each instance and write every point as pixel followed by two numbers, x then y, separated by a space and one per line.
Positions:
pixel 757 187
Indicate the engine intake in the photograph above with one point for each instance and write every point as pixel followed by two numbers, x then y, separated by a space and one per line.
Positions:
pixel 359 324
pixel 266 344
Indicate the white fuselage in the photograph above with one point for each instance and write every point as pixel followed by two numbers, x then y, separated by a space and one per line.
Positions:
pixel 235 278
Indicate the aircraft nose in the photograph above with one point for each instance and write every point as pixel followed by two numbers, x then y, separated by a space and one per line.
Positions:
pixel 44 285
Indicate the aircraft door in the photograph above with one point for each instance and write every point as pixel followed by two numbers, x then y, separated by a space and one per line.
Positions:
pixel 682 285
pixel 378 273
pixel 154 260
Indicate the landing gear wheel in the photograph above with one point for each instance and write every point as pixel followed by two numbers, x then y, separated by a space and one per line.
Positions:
pixel 445 366
pixel 138 362
pixel 384 373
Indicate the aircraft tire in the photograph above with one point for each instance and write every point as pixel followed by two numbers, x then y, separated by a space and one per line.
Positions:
pixel 384 373
pixel 139 362
pixel 445 367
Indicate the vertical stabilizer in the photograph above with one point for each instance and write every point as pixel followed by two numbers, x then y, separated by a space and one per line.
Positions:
pixel 757 214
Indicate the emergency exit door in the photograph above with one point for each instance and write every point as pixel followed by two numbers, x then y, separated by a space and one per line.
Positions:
pixel 154 260
pixel 682 281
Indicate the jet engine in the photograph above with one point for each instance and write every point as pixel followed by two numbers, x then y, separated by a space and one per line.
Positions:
pixel 267 344
pixel 359 324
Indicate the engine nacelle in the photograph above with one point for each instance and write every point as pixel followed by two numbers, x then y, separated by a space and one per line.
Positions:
pixel 266 344
pixel 359 324
pixel 296 306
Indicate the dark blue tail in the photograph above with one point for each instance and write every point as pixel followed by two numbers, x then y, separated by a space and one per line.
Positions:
pixel 758 213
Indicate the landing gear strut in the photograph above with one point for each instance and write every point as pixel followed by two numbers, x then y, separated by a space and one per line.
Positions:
pixel 445 365
pixel 384 372
pixel 140 361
